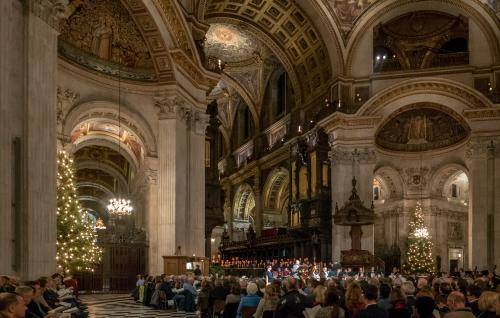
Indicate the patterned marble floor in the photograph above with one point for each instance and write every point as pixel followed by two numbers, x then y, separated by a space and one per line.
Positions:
pixel 119 305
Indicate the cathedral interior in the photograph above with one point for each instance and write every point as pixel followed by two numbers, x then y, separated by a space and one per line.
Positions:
pixel 220 119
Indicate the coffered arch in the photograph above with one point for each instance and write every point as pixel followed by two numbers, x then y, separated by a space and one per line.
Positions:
pixel 288 32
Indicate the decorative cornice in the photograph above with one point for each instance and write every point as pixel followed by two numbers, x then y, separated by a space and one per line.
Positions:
pixel 340 155
pixel 50 11
pixel 338 119
pixel 479 114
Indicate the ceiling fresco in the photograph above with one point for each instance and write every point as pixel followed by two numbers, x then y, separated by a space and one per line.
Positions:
pixel 102 128
pixel 348 10
pixel 101 35
pixel 421 128
pixel 229 43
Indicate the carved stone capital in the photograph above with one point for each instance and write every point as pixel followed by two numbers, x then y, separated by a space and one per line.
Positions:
pixel 200 122
pixel 50 11
pixel 173 108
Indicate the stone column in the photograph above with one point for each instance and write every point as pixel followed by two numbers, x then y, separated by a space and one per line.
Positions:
pixel 196 191
pixel 496 203
pixel 346 163
pixel 39 142
pixel 173 185
pixel 257 192
pixel 151 214
pixel 478 207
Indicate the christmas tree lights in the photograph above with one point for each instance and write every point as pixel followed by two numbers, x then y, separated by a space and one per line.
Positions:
pixel 77 249
pixel 419 259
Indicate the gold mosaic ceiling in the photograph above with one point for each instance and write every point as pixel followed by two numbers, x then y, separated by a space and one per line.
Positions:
pixel 230 43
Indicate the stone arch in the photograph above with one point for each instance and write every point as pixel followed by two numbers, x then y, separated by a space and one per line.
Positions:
pixel 276 189
pixel 391 180
pixel 443 174
pixel 105 141
pixel 244 203
pixel 276 196
pixel 454 95
pixel 107 111
pixel 486 20
pixel 112 171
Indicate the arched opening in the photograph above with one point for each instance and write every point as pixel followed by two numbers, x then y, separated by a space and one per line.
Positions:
pixel 243 211
pixel 276 194
pixel 450 189
pixel 108 160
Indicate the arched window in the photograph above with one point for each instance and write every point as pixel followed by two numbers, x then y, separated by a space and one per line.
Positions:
pixel 244 123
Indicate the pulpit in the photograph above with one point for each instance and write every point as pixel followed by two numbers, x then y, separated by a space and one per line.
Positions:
pixel 354 214
pixel 183 265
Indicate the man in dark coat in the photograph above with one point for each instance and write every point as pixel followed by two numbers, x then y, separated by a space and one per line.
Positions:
pixel 372 310
pixel 293 303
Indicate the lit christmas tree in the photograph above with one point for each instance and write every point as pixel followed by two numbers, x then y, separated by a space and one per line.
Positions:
pixel 419 259
pixel 77 249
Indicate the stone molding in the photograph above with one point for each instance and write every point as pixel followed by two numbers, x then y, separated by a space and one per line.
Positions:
pixel 434 212
pixel 50 11
pixel 424 85
pixel 340 155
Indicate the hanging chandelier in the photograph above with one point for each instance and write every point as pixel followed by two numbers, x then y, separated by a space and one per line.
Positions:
pixel 119 207
pixel 99 224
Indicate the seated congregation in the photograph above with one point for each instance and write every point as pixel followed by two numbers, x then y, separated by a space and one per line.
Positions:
pixel 394 296
pixel 48 297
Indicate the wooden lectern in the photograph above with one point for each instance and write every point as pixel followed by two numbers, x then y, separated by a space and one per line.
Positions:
pixel 183 265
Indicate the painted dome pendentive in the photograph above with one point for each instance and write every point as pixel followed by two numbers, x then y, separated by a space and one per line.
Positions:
pixel 229 43
pixel 421 128
pixel 101 35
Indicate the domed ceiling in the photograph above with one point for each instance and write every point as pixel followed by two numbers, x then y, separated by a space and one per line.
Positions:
pixel 101 35
pixel 229 43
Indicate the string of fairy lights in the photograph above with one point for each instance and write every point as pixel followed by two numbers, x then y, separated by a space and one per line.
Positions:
pixel 419 259
pixel 77 248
